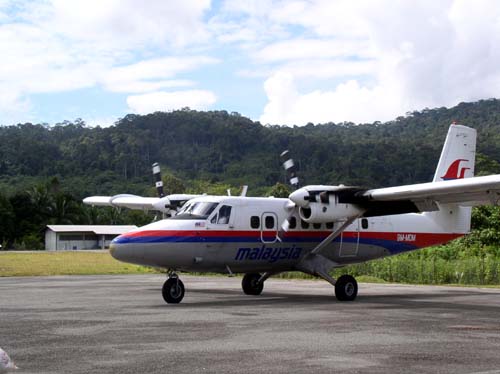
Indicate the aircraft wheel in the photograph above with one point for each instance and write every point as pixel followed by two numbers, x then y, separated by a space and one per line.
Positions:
pixel 251 285
pixel 173 291
pixel 346 288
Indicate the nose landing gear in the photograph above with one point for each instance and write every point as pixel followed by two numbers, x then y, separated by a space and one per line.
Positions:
pixel 173 289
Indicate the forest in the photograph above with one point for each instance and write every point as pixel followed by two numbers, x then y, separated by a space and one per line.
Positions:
pixel 46 170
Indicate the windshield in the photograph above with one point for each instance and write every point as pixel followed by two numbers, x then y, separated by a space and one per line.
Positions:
pixel 196 210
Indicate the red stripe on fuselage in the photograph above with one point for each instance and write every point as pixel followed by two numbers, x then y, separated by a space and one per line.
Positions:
pixel 417 239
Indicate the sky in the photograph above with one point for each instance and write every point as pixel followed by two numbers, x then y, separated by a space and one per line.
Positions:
pixel 278 62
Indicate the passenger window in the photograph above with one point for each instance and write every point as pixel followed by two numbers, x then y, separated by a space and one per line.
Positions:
pixel 364 223
pixel 254 222
pixel 317 226
pixel 304 224
pixel 292 222
pixel 224 214
pixel 329 225
pixel 269 222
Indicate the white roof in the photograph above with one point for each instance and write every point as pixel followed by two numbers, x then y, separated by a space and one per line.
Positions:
pixel 96 229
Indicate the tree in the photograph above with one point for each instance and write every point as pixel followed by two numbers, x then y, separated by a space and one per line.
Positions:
pixel 7 226
pixel 279 190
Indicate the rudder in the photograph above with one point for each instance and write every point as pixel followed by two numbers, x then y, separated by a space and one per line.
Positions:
pixel 456 162
pixel 458 155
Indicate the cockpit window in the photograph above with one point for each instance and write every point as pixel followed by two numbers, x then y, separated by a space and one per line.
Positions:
pixel 196 210
pixel 222 216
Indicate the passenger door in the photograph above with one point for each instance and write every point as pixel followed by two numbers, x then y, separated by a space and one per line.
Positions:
pixel 269 227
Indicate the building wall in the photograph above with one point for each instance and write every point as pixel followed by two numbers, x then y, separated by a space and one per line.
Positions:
pixel 67 241
pixel 68 245
pixel 50 240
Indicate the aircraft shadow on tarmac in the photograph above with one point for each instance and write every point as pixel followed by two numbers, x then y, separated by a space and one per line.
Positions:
pixel 438 299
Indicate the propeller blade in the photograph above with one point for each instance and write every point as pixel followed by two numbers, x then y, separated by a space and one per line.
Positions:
pixel 285 225
pixel 289 166
pixel 158 181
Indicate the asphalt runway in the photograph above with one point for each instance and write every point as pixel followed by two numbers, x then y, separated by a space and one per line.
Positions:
pixel 120 324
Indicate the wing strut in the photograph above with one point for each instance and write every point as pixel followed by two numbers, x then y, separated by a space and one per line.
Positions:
pixel 315 263
pixel 334 234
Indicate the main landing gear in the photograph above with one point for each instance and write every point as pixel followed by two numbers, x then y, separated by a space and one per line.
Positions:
pixel 346 288
pixel 252 284
pixel 173 289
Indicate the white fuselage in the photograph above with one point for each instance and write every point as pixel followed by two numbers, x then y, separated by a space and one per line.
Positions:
pixel 249 238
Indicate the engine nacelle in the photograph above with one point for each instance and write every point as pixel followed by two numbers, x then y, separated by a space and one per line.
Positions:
pixel 163 205
pixel 329 212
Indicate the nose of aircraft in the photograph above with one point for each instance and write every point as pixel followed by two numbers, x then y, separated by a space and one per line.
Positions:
pixel 114 249
pixel 120 250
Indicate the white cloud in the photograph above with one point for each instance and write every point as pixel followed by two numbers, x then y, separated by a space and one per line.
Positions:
pixel 309 49
pixel 11 104
pixel 154 74
pixel 326 18
pixel 248 24
pixel 321 60
pixel 55 46
pixel 100 121
pixel 348 102
pixel 165 101
pixel 422 54
pixel 147 86
pixel 320 69
pixel 122 23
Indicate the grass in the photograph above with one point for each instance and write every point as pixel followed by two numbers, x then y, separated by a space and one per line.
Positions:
pixel 398 269
pixel 64 263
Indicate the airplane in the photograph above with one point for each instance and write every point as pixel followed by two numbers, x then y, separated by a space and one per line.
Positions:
pixel 316 229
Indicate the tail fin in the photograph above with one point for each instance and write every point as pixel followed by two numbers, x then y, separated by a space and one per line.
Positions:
pixel 458 154
pixel 456 162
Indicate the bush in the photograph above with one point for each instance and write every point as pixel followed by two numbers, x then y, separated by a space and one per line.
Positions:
pixel 30 242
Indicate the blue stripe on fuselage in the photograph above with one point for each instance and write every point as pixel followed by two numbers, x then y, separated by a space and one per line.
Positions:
pixel 393 246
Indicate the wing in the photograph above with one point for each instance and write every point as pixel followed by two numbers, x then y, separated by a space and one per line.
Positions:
pixel 165 204
pixel 123 201
pixel 334 203
pixel 426 196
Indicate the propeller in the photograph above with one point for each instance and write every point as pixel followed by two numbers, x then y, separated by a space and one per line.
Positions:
pixel 158 181
pixel 289 166
pixel 164 205
pixel 317 203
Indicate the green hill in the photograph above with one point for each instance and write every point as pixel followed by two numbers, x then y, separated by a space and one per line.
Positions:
pixel 45 171
pixel 221 146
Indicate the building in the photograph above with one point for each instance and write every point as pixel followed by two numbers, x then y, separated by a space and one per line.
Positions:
pixel 73 237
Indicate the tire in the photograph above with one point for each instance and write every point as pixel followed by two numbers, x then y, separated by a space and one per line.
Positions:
pixel 173 291
pixel 346 288
pixel 251 285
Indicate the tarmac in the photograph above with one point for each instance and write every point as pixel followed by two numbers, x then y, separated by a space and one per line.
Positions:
pixel 120 324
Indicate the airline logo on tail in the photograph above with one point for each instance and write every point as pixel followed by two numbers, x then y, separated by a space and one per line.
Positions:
pixel 455 171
